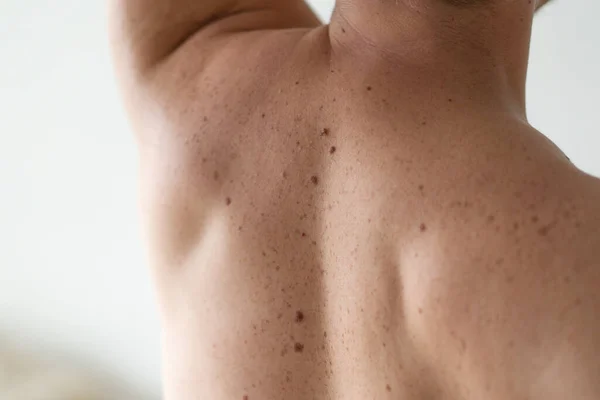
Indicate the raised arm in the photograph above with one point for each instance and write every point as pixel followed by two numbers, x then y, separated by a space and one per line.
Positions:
pixel 146 32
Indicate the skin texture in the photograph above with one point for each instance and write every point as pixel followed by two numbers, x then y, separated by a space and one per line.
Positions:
pixel 358 210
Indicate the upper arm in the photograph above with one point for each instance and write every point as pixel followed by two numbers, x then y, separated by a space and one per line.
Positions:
pixel 146 32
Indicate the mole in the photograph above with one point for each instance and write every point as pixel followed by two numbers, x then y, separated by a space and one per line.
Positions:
pixel 314 179
pixel 299 316
pixel 228 201
pixel 245 397
pixel 423 227
pixel 325 132
pixel 332 150
pixel 388 388
pixel 298 347
pixel 343 30
pixel 216 175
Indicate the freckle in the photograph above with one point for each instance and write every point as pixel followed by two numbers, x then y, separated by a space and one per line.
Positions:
pixel 245 397
pixel 577 302
pixel 516 226
pixel 297 143
pixel 543 231
pixel 297 82
pixel 228 201
pixel 298 347
pixel 334 99
pixel 277 268
pixel 491 218
pixel 420 311
pixel 205 119
pixel 314 179
pixel 535 219
pixel 388 388
pixel 567 279
pixel 325 132
pixel 203 160
pixel 510 279
pixel 263 115
pixel 343 30
pixel 216 175
pixel 511 344
pixel 423 227
pixel 500 261
pixel 299 316
pixel 421 187
pixel 332 150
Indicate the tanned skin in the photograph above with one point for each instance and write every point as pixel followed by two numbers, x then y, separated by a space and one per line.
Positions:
pixel 357 210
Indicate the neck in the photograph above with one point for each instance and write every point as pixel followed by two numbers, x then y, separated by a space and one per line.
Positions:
pixel 478 51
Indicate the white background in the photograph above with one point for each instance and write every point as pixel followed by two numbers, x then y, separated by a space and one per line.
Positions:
pixel 72 272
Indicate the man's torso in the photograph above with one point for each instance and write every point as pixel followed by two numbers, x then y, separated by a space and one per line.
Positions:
pixel 344 234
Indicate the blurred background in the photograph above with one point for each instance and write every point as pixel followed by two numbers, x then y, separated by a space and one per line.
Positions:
pixel 73 282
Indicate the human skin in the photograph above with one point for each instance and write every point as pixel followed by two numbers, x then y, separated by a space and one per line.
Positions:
pixel 357 210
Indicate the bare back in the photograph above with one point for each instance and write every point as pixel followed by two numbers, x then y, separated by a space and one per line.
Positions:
pixel 346 233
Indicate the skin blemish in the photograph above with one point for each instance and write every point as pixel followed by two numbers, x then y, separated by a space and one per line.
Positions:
pixel 535 219
pixel 325 132
pixel 388 388
pixel 423 227
pixel 297 82
pixel 299 316
pixel 245 397
pixel 420 311
pixel 298 347
pixel 491 218
pixel 516 226
pixel 369 88
pixel 343 30
pixel 228 201
pixel 332 150
pixel 205 119
pixel 216 175
pixel 450 100
pixel 314 179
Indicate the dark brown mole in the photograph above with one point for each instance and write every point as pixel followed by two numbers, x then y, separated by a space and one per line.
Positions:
pixel 369 88
pixel 298 347
pixel 314 179
pixel 303 234
pixel 263 115
pixel 325 132
pixel 449 100
pixel 332 150
pixel 423 227
pixel 228 201
pixel 297 82
pixel 299 316
pixel 388 388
